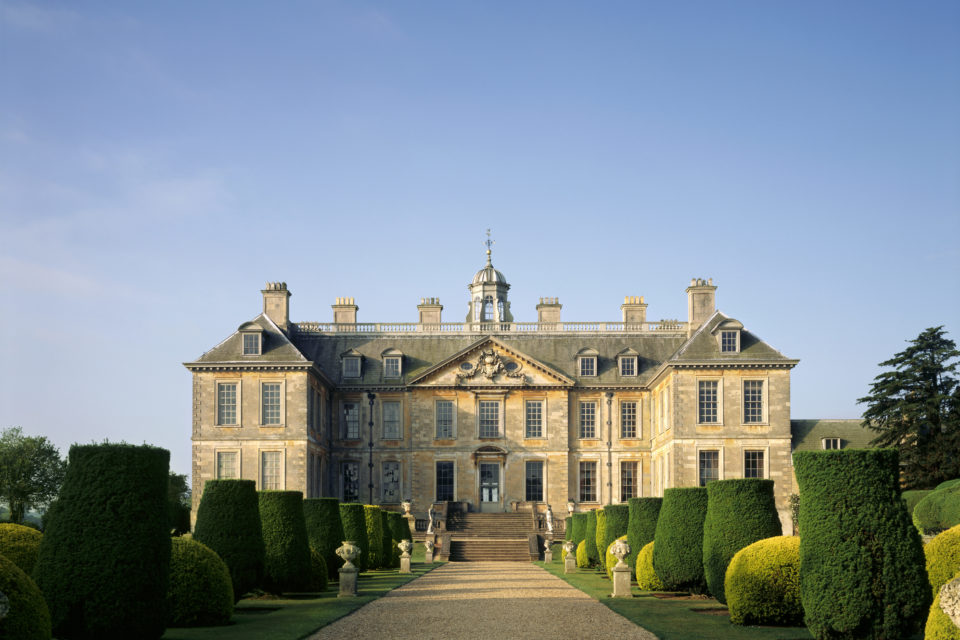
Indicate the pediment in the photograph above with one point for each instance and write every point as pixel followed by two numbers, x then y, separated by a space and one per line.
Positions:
pixel 490 363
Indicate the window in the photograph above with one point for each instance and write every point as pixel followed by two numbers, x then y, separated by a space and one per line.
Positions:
pixel 708 402
pixel 628 419
pixel 444 419
pixel 350 481
pixel 628 366
pixel 588 481
pixel 831 443
pixel 270 403
pixel 628 480
pixel 534 481
pixel 709 467
pixel 251 344
pixel 391 367
pixel 534 422
pixel 391 481
pixel 489 411
pixel 391 421
pixel 227 465
pixel 753 401
pixel 588 366
pixel 269 470
pixel 444 480
pixel 351 367
pixel 664 410
pixel 588 419
pixel 753 464
pixel 227 403
pixel 729 341
pixel 351 421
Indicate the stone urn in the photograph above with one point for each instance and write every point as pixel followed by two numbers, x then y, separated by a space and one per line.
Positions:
pixel 406 504
pixel 429 546
pixel 347 552
pixel 571 548
pixel 405 547
pixel 620 550
pixel 571 506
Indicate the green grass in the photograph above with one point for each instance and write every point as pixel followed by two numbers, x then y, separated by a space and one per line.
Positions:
pixel 669 619
pixel 298 618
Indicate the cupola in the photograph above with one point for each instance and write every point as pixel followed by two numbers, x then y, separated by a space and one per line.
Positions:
pixel 488 294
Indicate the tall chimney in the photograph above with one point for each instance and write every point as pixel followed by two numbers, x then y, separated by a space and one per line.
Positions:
pixel 634 310
pixel 345 311
pixel 429 309
pixel 548 313
pixel 276 303
pixel 701 302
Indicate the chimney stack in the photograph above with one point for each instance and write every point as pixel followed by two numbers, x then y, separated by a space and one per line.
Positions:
pixel 701 302
pixel 345 311
pixel 634 310
pixel 429 309
pixel 276 303
pixel 548 313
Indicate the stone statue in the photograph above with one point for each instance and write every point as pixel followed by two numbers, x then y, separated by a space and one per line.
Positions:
pixel 546 544
pixel 549 519
pixel 430 520
pixel 347 552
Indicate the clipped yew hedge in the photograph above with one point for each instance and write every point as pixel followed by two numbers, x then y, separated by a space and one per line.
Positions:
pixel 678 554
pixel 390 551
pixel 228 521
pixel 378 557
pixel 590 536
pixel 324 530
pixel 578 528
pixel 762 583
pixel 399 530
pixel 20 544
pixel 739 512
pixel 355 530
pixel 618 518
pixel 27 616
pixel 200 592
pixel 568 528
pixel 318 570
pixel 104 561
pixel 942 556
pixel 861 562
pixel 601 535
pixel 642 524
pixel 647 579
pixel 286 549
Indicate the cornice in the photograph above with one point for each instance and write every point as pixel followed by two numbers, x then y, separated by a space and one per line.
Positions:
pixel 249 366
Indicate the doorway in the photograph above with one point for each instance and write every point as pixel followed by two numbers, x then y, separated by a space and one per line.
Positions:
pixel 490 487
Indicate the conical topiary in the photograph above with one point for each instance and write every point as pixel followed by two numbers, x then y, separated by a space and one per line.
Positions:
pixel 678 552
pixel 642 526
pixel 355 530
pixel 286 550
pixel 324 530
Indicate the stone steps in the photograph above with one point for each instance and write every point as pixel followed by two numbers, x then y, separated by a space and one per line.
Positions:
pixel 479 550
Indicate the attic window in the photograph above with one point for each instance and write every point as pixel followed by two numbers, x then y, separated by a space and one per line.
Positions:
pixel 628 366
pixel 729 342
pixel 832 443
pixel 391 367
pixel 351 367
pixel 588 365
pixel 251 344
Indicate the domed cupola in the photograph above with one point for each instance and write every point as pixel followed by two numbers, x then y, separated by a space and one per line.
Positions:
pixel 488 294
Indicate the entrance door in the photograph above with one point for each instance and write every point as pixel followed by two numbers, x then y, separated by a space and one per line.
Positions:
pixel 489 487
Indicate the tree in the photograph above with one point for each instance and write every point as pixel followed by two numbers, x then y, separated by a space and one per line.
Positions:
pixel 31 472
pixel 178 503
pixel 915 408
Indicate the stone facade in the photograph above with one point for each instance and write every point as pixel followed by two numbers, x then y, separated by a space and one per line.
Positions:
pixel 499 414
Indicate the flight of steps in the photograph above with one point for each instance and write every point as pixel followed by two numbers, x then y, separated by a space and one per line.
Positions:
pixel 490 536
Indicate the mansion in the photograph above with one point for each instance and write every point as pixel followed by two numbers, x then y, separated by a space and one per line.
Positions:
pixel 498 414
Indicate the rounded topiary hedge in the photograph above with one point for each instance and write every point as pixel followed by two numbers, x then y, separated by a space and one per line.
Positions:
pixel 578 528
pixel 642 523
pixel 601 535
pixel 200 592
pixel 647 578
pixel 678 554
pixel 324 529
pixel 911 498
pixel 939 626
pixel 590 536
pixel 228 521
pixel 355 529
pixel 104 561
pixel 762 583
pixel 610 560
pixel 942 556
pixel 938 510
pixel 583 560
pixel 739 512
pixel 378 557
pixel 286 550
pixel 27 616
pixel 861 562
pixel 20 545
pixel 318 570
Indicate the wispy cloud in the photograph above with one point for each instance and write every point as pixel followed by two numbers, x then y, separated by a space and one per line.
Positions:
pixel 32 17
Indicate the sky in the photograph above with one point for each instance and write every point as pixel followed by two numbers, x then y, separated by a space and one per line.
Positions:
pixel 159 162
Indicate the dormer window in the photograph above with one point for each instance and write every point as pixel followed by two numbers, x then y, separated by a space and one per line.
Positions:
pixel 251 344
pixel 391 367
pixel 627 363
pixel 351 367
pixel 587 362
pixel 729 341
pixel 832 443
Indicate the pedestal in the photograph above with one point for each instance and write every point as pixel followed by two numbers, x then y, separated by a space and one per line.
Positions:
pixel 428 556
pixel 621 582
pixel 404 564
pixel 548 556
pixel 570 564
pixel 348 582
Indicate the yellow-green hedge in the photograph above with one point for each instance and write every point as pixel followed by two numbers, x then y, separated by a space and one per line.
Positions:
pixel 28 617
pixel 943 558
pixel 939 625
pixel 762 583
pixel 583 561
pixel 20 545
pixel 647 579
pixel 610 560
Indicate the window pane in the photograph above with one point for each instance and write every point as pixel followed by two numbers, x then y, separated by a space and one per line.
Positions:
pixel 391 420
pixel 709 467
pixel 270 470
pixel 588 482
pixel 588 366
pixel 351 421
pixel 251 344
pixel 628 419
pixel 588 419
pixel 391 481
pixel 227 403
pixel 350 479
pixel 391 368
pixel 227 465
pixel 628 481
pixel 444 481
pixel 752 401
pixel 271 402
pixel 728 341
pixel 444 419
pixel 628 366
pixel 753 464
pixel 534 419
pixel 535 480
pixel 707 404
pixel 489 418
pixel 351 367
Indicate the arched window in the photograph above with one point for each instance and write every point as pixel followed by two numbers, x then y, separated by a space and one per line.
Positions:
pixel 487 309
pixel 500 309
pixel 476 309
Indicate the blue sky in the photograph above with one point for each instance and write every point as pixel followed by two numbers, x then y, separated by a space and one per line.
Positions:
pixel 160 161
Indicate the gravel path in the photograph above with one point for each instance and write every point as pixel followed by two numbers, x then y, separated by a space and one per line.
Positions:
pixel 485 600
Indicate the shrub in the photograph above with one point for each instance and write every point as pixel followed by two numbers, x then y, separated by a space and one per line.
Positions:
pixel 568 528
pixel 590 536
pixel 762 583
pixel 739 512
pixel 318 570
pixel 678 554
pixel 942 558
pixel 947 484
pixel 27 617
pixel 376 557
pixel 610 560
pixel 578 528
pixel 200 592
pixel 286 550
pixel 642 524
pixel 583 561
pixel 600 535
pixel 911 498
pixel 647 578
pixel 938 510
pixel 20 545
pixel 390 550
pixel 939 625
pixel 355 530
pixel 228 521
pixel 324 529
pixel 104 561
pixel 861 562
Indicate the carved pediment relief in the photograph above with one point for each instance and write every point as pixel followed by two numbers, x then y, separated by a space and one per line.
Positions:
pixel 490 364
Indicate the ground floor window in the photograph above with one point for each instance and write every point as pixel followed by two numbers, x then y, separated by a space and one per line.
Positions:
pixel 227 465
pixel 391 482
pixel 753 464
pixel 270 470
pixel 534 480
pixel 709 467
pixel 628 480
pixel 350 481
pixel 588 481
pixel 444 480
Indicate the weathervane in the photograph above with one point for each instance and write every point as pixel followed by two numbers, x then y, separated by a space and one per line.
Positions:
pixel 489 243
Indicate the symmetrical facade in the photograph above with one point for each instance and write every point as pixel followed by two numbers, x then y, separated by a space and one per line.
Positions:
pixel 498 414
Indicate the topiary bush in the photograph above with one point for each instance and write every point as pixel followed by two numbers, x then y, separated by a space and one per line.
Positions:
pixel 318 570
pixel 324 529
pixel 228 521
pixel 861 561
pixel 762 583
pixel 601 535
pixel 27 616
pixel 578 528
pixel 286 550
pixel 610 560
pixel 938 510
pixel 355 529
pixel 647 578
pixel 939 625
pixel 583 560
pixel 942 556
pixel 739 512
pixel 376 557
pixel 678 554
pixel 642 524
pixel 590 536
pixel 200 592
pixel 20 545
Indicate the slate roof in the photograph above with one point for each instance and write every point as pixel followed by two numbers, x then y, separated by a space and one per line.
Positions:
pixel 808 435
pixel 703 346
pixel 275 347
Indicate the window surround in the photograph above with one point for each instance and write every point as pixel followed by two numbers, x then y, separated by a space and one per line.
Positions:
pixel 452 461
pixel 543 477
pixel 216 462
pixel 719 381
pixel 351 365
pixel 383 418
pixel 766 459
pixel 588 361
pixel 630 359
pixel 383 484
pixel 637 479
pixel 239 404
pixel 731 329
pixel 392 364
pixel 283 403
pixel 598 484
pixel 342 418
pixel 251 339
pixel 342 480
pixel 543 418
pixel 828 444
pixel 453 418
pixel 596 418
pixel 282 480
pixel 499 399
pixel 637 418
pixel 764 418
pixel 708 447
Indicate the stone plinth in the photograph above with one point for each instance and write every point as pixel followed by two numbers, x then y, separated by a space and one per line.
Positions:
pixel 428 552
pixel 348 582
pixel 548 556
pixel 404 565
pixel 570 564
pixel 621 582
